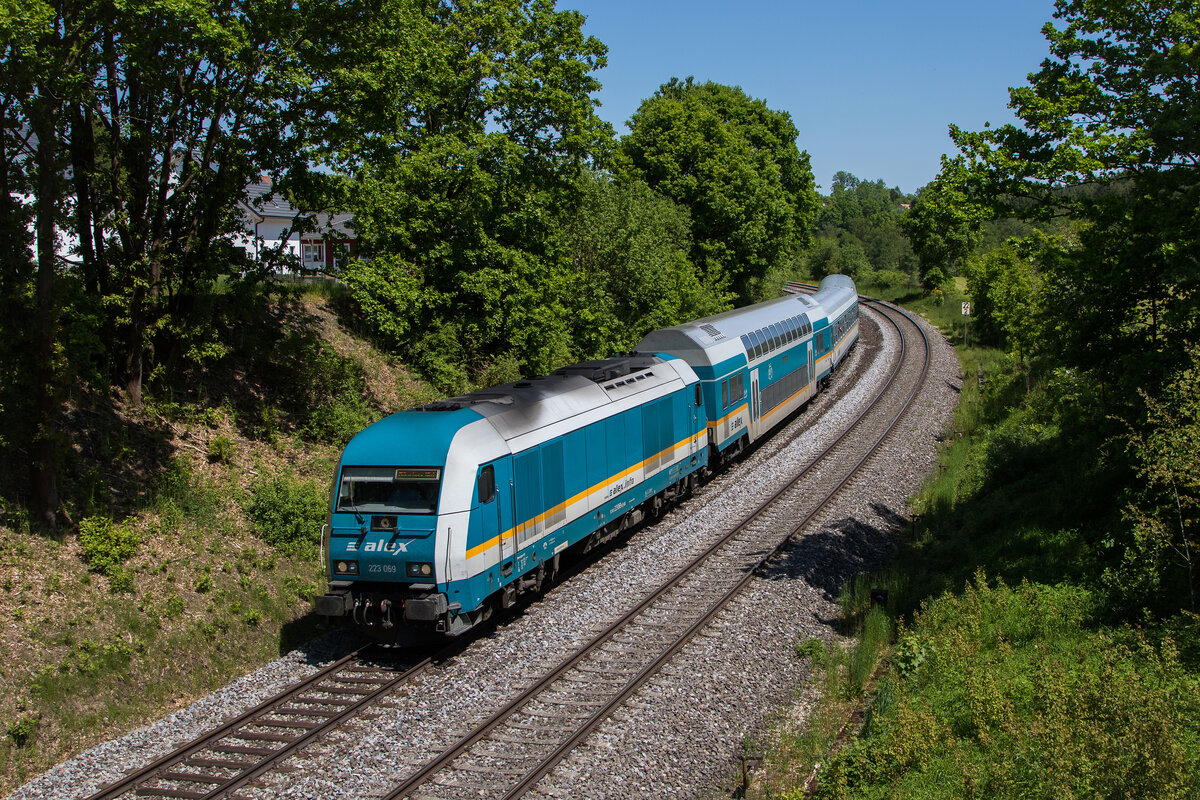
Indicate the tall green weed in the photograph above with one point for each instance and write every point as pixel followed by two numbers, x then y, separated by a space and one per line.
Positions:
pixel 287 513
pixel 107 546
pixel 1005 692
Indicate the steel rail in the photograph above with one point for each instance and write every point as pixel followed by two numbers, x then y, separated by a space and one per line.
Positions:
pixel 155 769
pixel 651 669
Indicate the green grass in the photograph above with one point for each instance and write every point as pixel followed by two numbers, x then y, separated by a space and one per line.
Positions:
pixel 1012 674
pixel 195 558
pixel 1015 695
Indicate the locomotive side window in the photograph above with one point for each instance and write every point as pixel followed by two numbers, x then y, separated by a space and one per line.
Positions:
pixel 392 490
pixel 699 396
pixel 487 484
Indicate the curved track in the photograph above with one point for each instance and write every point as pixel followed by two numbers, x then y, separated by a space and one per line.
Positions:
pixel 506 755
pixel 509 752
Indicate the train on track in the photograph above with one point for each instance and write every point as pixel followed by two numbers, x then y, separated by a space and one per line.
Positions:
pixel 441 514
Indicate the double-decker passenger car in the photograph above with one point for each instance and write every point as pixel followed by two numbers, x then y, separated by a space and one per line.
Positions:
pixel 760 363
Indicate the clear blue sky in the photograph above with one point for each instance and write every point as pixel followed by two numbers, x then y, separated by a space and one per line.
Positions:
pixel 870 85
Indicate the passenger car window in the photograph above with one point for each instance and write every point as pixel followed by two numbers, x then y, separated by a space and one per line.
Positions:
pixel 758 343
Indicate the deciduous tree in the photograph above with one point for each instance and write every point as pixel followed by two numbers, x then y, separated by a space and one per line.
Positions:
pixel 134 128
pixel 1111 139
pixel 945 225
pixel 462 127
pixel 734 163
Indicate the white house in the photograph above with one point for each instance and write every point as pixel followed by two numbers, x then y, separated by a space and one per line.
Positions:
pixel 269 218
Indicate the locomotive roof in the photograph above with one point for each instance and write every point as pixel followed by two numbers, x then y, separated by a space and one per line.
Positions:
pixel 522 407
pixel 513 409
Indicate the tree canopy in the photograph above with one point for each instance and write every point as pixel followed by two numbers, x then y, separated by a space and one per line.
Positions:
pixel 459 151
pixel 734 164
pixel 1105 300
pixel 461 135
pixel 132 129
pixel 859 231
pixel 1110 142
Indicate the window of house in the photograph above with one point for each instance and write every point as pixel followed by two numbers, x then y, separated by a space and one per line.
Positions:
pixel 314 252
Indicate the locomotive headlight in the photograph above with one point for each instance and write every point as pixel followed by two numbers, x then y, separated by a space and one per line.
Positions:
pixel 345 567
pixel 420 569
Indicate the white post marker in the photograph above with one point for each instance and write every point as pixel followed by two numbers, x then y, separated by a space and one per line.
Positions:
pixel 966 310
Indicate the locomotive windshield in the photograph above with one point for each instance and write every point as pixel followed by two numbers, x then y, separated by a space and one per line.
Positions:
pixel 389 490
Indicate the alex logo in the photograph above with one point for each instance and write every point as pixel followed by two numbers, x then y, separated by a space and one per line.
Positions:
pixel 378 546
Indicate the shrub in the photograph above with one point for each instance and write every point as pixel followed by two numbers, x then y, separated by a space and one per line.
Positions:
pixel 891 278
pixel 107 546
pixel 1008 693
pixel 287 513
pixel 183 494
pixel 23 731
pixel 337 421
pixel 815 650
pixel 220 449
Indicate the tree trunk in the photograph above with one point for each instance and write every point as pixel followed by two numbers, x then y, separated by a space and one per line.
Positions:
pixel 42 456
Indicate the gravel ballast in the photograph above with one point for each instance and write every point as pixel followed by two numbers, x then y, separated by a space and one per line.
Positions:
pixel 682 735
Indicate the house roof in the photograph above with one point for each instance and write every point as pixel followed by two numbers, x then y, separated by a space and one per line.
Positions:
pixel 262 203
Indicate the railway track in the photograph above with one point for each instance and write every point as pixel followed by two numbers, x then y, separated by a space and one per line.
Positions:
pixel 234 754
pixel 508 753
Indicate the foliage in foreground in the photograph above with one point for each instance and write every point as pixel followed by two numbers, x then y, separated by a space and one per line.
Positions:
pixel 1073 669
pixel 1008 693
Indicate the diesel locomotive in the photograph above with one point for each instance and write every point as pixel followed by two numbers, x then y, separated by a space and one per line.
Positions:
pixel 441 514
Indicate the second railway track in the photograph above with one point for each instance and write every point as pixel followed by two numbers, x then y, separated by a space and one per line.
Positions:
pixel 512 750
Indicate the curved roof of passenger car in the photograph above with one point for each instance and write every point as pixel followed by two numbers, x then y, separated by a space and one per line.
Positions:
pixel 716 339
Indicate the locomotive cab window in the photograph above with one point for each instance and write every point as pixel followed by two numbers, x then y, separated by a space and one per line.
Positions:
pixel 487 484
pixel 389 490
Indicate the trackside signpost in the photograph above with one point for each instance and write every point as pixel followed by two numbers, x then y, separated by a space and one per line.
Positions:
pixel 966 310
